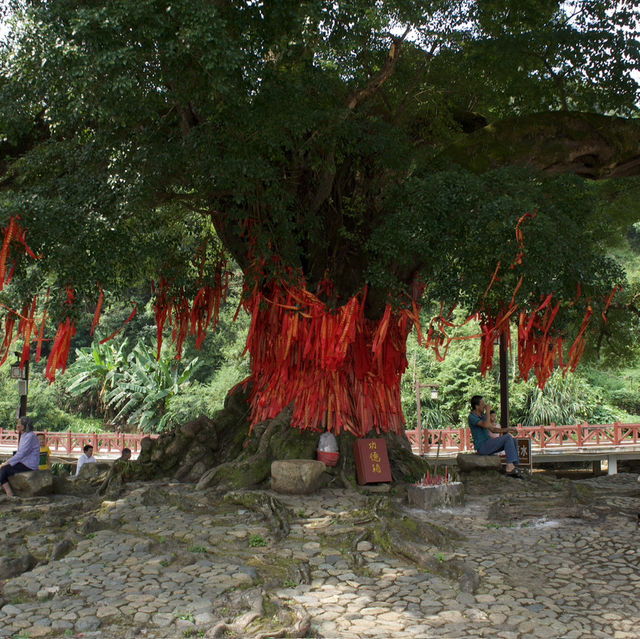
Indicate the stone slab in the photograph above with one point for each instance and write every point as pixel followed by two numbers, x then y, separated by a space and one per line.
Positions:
pixel 468 462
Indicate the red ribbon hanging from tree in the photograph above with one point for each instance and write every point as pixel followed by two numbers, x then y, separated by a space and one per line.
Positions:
pixel 186 316
pixel 59 355
pixel 337 369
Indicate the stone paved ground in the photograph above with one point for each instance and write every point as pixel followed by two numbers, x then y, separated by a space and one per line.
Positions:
pixel 555 559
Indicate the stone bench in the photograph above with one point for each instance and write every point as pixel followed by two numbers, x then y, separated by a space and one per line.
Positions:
pixel 469 462
pixel 33 483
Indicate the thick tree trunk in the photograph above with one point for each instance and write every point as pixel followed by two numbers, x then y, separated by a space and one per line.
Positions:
pixel 222 451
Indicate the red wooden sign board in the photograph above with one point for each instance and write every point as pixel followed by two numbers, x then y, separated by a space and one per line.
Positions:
pixel 372 461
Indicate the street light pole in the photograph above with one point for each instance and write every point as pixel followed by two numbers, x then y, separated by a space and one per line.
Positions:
pixel 23 389
pixel 434 396
pixel 21 374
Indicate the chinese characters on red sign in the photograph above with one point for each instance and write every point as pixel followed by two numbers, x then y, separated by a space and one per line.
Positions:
pixel 372 461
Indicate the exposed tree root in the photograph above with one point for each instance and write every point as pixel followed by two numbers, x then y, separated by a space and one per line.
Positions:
pixel 246 467
pixel 454 569
pixel 272 509
pixel 292 620
pixel 417 541
pixel 270 441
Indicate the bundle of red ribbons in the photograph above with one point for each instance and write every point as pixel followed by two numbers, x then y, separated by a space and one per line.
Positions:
pixel 337 368
pixel 189 317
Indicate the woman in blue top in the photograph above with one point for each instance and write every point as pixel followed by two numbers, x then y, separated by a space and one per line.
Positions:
pixel 27 458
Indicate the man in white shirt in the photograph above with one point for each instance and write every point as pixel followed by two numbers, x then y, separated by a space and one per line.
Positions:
pixel 86 458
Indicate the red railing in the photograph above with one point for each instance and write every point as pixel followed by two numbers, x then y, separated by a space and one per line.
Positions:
pixel 68 443
pixel 542 437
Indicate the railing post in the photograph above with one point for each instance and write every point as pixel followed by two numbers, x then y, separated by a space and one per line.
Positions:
pixel 541 435
pixel 69 449
pixel 616 434
pixel 579 433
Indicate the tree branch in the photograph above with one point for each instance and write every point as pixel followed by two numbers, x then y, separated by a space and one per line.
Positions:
pixel 590 145
pixel 327 177
pixel 380 78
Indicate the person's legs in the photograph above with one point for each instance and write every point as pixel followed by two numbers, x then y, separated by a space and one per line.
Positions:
pixel 504 442
pixel 6 472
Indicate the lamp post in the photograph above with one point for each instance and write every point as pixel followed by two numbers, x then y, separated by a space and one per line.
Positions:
pixel 21 374
pixel 434 397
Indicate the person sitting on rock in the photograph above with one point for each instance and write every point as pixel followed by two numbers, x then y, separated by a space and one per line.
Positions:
pixel 27 457
pixel 86 458
pixel 480 425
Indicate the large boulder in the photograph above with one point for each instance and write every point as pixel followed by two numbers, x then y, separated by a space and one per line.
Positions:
pixel 469 462
pixel 66 485
pixel 297 476
pixel 14 566
pixel 32 484
pixel 93 471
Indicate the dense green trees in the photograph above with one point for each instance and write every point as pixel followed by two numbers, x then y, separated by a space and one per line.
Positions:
pixel 328 147
pixel 594 393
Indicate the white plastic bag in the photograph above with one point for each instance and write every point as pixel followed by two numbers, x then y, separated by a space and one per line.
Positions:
pixel 328 443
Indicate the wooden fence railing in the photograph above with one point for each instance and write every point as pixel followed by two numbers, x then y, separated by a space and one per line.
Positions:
pixel 68 443
pixel 451 439
pixel 542 437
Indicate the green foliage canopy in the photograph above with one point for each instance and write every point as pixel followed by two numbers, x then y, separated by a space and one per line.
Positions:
pixel 322 136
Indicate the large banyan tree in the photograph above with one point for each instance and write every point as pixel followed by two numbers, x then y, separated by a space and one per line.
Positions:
pixel 359 161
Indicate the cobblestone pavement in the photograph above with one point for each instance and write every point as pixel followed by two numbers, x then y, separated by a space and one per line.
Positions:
pixel 554 558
